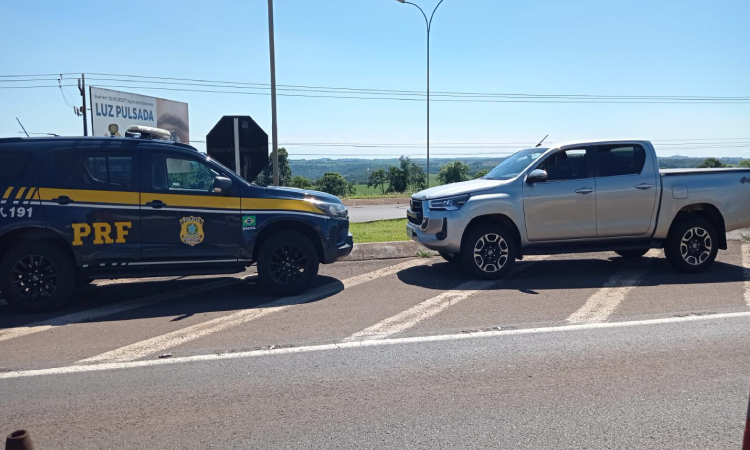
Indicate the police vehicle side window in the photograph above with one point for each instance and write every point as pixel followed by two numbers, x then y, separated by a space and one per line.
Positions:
pixel 12 165
pixel 173 173
pixel 95 169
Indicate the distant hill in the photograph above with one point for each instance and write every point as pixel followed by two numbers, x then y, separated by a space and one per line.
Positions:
pixel 357 170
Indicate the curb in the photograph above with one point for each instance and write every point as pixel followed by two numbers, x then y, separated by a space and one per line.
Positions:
pixel 386 250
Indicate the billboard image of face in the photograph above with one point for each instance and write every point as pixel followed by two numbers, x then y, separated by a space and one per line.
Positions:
pixel 112 112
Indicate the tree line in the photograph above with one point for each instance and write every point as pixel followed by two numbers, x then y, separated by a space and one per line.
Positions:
pixel 404 178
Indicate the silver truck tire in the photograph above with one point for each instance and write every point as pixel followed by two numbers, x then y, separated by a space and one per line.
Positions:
pixel 488 251
pixel 692 245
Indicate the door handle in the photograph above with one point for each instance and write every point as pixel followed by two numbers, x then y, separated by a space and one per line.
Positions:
pixel 156 204
pixel 584 191
pixel 644 186
pixel 63 200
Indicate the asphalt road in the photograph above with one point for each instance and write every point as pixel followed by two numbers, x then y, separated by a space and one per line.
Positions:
pixel 583 351
pixel 370 213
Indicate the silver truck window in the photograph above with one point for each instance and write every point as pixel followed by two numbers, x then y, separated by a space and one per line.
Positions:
pixel 566 165
pixel 513 165
pixel 616 160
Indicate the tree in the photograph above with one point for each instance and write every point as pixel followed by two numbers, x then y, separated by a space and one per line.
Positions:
pixel 454 172
pixel 481 173
pixel 408 176
pixel 334 183
pixel 301 182
pixel 377 179
pixel 396 180
pixel 745 163
pixel 710 163
pixel 265 178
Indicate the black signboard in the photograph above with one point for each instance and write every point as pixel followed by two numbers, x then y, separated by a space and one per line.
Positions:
pixel 253 145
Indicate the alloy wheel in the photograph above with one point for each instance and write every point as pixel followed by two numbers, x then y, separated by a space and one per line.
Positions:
pixel 34 278
pixel 490 252
pixel 696 246
pixel 288 264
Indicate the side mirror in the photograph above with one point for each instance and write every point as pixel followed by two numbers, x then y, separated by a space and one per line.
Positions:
pixel 537 176
pixel 222 186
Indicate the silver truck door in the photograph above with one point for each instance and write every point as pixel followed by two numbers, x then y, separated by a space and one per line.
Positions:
pixel 626 189
pixel 564 206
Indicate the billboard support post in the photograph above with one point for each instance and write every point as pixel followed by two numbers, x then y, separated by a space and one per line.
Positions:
pixel 274 133
pixel 82 89
pixel 237 146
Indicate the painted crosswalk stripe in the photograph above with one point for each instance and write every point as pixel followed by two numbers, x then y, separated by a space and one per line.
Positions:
pixel 600 306
pixel 746 265
pixel 166 341
pixel 431 307
pixel 109 310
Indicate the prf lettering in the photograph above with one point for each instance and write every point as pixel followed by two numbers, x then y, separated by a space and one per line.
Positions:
pixel 102 232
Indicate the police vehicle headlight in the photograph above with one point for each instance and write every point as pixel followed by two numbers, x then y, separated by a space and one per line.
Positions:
pixel 332 209
pixel 449 204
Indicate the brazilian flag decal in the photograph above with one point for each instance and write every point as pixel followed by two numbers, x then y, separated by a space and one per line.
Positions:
pixel 248 222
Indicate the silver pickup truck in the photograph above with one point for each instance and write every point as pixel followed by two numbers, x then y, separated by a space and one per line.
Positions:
pixel 585 197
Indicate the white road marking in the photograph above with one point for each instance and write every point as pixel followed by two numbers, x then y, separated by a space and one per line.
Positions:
pixel 432 306
pixel 170 340
pixel 746 265
pixel 365 344
pixel 600 306
pixel 108 310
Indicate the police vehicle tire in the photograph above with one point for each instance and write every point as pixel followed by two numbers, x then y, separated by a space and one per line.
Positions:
pixel 488 251
pixel 279 255
pixel 454 258
pixel 692 245
pixel 24 270
pixel 635 253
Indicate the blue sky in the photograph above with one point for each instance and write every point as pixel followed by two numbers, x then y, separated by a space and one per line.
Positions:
pixel 539 47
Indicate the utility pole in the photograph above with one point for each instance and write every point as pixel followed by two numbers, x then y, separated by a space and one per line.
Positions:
pixel 274 132
pixel 82 89
pixel 427 22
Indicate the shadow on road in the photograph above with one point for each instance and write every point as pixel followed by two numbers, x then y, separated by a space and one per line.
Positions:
pixel 562 274
pixel 181 301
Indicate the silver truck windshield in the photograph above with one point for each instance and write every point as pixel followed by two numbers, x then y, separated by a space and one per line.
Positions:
pixel 514 164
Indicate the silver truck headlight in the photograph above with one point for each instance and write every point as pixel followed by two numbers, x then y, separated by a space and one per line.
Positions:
pixel 332 209
pixel 450 203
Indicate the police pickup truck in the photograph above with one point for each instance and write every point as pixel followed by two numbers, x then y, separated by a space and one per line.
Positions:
pixel 582 197
pixel 78 209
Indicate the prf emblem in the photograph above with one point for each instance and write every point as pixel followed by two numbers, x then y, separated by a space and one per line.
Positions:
pixel 744 180
pixel 191 230
pixel 102 232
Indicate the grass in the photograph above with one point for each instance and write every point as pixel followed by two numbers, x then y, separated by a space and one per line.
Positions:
pixel 379 231
pixel 363 191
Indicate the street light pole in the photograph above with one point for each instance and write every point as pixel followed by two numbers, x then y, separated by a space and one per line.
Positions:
pixel 274 133
pixel 427 22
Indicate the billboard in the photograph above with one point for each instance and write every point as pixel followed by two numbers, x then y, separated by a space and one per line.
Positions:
pixel 112 112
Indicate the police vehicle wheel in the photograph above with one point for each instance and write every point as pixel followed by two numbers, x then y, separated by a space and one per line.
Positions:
pixel 287 263
pixel 36 277
pixel 692 246
pixel 488 251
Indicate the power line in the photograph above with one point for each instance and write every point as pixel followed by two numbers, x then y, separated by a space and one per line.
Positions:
pixel 411 92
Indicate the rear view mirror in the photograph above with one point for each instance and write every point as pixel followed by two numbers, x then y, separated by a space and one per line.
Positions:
pixel 222 186
pixel 537 176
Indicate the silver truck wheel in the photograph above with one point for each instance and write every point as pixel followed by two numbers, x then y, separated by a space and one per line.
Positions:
pixel 692 245
pixel 696 246
pixel 488 251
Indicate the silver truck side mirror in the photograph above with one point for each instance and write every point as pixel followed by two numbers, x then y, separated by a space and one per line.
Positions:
pixel 537 176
